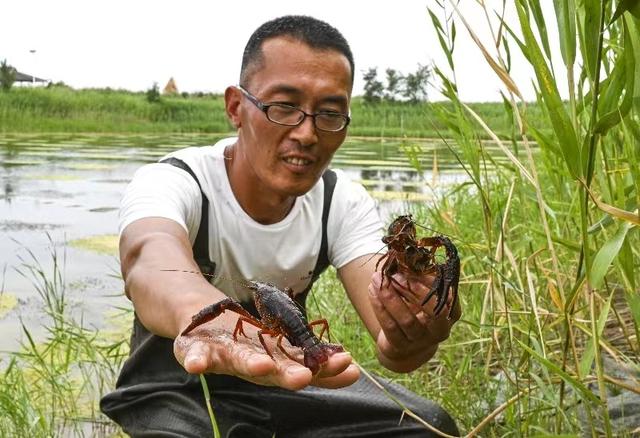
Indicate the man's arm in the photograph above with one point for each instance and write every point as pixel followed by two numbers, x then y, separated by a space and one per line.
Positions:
pixel 406 335
pixel 165 301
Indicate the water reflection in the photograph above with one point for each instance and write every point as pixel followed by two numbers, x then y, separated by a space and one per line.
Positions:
pixel 8 191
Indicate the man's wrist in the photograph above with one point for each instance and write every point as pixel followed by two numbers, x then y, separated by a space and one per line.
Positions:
pixel 406 364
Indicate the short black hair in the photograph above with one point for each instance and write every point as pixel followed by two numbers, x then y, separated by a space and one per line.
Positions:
pixel 311 31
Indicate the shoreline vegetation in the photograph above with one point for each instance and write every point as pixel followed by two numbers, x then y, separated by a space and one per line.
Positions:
pixel 58 109
pixel 548 340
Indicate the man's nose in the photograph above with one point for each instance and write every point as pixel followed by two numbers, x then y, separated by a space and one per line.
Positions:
pixel 305 132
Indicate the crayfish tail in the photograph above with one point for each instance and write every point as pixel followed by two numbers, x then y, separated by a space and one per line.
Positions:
pixel 316 356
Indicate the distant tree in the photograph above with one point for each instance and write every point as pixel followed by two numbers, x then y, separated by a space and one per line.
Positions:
pixel 58 84
pixel 153 93
pixel 7 76
pixel 415 84
pixel 373 88
pixel 394 84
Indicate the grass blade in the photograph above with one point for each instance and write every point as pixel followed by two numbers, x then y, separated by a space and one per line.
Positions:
pixel 565 15
pixel 560 120
pixel 590 35
pixel 604 257
pixel 575 383
pixel 589 353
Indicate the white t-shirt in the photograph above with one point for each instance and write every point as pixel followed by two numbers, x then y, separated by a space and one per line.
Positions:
pixel 283 253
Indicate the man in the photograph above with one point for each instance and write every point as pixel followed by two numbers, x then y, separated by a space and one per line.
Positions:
pixel 260 199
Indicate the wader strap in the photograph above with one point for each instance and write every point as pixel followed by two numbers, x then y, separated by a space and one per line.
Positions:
pixel 201 244
pixel 329 177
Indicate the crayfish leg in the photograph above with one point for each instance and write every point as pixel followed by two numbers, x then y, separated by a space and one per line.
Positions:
pixel 325 326
pixel 261 334
pixel 239 328
pixel 279 345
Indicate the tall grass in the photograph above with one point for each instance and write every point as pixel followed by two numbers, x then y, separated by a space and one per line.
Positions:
pixel 549 246
pixel 61 109
pixel 51 387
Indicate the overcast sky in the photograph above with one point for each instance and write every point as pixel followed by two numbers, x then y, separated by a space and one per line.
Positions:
pixel 132 43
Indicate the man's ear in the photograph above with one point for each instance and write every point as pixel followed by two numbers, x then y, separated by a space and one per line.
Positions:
pixel 232 99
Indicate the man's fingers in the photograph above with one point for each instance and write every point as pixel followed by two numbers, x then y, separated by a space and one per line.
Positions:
pixel 211 351
pixel 336 364
pixel 399 319
pixel 199 358
pixel 385 319
pixel 347 377
pixel 246 362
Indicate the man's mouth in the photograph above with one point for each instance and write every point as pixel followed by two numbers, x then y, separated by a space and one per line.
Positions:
pixel 297 161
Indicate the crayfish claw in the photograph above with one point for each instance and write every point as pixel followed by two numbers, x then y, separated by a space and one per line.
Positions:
pixel 408 255
pixel 213 311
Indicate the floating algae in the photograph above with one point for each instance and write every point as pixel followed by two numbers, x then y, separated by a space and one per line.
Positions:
pixel 102 244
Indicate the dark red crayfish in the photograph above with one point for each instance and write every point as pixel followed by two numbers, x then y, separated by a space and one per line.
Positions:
pixel 407 255
pixel 281 317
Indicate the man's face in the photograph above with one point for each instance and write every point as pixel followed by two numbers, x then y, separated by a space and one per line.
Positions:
pixel 288 160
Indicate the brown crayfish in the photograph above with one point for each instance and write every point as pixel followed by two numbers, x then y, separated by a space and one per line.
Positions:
pixel 281 317
pixel 407 255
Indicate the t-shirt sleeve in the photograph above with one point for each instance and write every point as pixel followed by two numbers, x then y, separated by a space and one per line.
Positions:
pixel 162 190
pixel 354 227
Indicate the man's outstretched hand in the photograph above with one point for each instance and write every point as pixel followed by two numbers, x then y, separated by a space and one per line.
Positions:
pixel 210 348
pixel 410 333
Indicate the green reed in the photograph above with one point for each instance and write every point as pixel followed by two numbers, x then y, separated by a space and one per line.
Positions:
pixel 60 109
pixel 51 386
pixel 548 239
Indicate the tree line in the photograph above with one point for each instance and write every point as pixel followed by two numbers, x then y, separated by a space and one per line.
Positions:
pixel 411 87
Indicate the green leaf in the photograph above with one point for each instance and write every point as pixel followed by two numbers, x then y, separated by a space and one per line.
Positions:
pixel 542 27
pixel 633 26
pixel 575 383
pixel 566 17
pixel 606 254
pixel 591 34
pixel 633 6
pixel 544 141
pixel 560 120
pixel 453 35
pixel 441 39
pixel 633 300
pixel 624 74
pixel 523 47
pixel 590 352
pixel 627 260
pixel 569 244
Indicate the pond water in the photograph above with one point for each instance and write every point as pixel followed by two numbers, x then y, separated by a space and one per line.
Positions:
pixel 56 189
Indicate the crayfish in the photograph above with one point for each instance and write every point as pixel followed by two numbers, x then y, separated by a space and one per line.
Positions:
pixel 281 317
pixel 407 255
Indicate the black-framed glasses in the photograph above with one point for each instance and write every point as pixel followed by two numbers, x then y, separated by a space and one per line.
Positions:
pixel 288 115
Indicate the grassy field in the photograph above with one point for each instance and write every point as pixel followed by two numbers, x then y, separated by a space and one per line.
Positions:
pixel 549 247
pixel 61 109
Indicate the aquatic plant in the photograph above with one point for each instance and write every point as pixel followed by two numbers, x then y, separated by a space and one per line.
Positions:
pixel 549 245
pixel 51 386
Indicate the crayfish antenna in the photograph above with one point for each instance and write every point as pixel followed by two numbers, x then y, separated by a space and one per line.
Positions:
pixel 189 272
pixel 245 283
pixel 378 252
